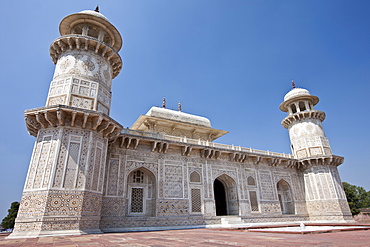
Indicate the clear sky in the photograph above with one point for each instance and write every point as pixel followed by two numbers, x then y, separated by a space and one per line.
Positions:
pixel 230 61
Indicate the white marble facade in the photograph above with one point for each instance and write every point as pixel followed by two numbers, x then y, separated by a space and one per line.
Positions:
pixel 88 174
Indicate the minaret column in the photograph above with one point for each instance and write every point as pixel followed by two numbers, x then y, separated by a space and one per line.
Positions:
pixel 324 194
pixel 64 185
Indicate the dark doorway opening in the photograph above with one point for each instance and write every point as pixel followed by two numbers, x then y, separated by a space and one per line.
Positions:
pixel 220 198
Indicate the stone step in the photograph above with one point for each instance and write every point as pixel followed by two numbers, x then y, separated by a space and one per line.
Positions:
pixel 231 220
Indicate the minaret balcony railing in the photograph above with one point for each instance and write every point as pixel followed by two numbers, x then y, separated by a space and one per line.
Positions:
pixel 81 42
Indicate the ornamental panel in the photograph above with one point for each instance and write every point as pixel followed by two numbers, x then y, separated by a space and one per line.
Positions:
pixel 112 179
pixel 173 181
pixel 266 186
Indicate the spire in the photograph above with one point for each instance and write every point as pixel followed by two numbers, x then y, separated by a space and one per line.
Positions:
pixel 164 103
pixel 179 106
pixel 293 84
pixel 97 8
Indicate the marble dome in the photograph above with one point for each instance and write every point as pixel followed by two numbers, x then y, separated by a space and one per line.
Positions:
pixel 178 116
pixel 93 18
pixel 94 13
pixel 296 92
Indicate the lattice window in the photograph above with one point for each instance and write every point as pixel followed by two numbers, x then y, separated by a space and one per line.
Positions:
pixel 194 177
pixel 253 201
pixel 196 201
pixel 138 177
pixel 251 181
pixel 137 196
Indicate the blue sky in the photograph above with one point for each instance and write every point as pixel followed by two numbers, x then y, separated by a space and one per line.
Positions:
pixel 230 61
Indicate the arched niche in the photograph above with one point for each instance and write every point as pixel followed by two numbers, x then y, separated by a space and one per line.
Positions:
pixel 251 181
pixel 141 193
pixel 285 197
pixel 195 177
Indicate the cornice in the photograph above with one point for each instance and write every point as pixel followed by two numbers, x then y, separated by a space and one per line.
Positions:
pixel 61 115
pixel 81 42
pixel 160 145
pixel 303 115
pixel 327 160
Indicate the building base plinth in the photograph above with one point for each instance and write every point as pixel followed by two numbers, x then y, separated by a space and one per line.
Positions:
pixel 37 234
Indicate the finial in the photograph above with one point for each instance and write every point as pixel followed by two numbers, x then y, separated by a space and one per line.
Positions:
pixel 179 106
pixel 164 103
pixel 97 8
pixel 293 84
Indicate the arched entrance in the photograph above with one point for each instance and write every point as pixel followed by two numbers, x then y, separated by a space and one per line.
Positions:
pixel 285 197
pixel 141 193
pixel 225 195
pixel 220 198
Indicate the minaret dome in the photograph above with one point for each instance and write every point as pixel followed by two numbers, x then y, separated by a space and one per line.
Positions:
pixel 297 100
pixel 93 24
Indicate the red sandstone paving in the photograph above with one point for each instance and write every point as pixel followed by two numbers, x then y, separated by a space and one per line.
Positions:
pixel 198 237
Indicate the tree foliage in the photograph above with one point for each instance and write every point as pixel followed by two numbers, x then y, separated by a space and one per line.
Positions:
pixel 9 220
pixel 357 197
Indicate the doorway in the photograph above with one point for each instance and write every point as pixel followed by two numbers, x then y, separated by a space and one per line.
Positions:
pixel 220 198
pixel 226 195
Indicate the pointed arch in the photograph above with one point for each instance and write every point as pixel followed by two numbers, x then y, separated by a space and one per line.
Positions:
pixel 195 177
pixel 225 195
pixel 253 195
pixel 285 197
pixel 251 181
pixel 141 192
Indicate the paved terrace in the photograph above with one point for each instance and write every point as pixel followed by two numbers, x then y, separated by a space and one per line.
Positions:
pixel 198 237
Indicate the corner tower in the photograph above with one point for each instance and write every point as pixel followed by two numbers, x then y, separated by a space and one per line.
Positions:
pixel 304 123
pixel 86 61
pixel 63 189
pixel 324 194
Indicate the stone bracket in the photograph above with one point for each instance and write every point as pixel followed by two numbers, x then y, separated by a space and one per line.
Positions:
pixel 81 42
pixel 330 160
pixel 274 162
pixel 126 142
pixel 209 153
pixel 55 116
pixel 238 157
pixel 302 115
pixel 160 147
pixel 186 150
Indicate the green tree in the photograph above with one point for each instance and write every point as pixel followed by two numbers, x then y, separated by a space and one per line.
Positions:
pixel 9 220
pixel 357 197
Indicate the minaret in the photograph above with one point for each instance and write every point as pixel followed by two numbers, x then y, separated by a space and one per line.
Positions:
pixel 86 60
pixel 324 194
pixel 64 184
pixel 304 123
